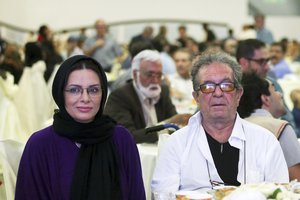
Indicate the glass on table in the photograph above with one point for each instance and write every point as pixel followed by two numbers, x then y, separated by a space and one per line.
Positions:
pixel 163 196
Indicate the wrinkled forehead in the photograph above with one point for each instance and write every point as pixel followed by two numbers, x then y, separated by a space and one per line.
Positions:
pixel 150 65
pixel 215 71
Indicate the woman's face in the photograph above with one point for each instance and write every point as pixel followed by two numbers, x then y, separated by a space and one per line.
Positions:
pixel 82 95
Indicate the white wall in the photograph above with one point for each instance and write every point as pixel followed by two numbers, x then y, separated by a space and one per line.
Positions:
pixel 60 14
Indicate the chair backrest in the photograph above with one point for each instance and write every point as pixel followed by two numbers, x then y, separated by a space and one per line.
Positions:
pixel 10 155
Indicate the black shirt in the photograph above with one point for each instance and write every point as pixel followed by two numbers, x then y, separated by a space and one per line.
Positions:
pixel 226 159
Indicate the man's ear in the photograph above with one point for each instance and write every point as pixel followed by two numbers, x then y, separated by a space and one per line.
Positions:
pixel 244 63
pixel 265 100
pixel 134 74
pixel 195 95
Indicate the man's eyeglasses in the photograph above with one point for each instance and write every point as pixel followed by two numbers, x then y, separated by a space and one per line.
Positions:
pixel 211 87
pixel 261 61
pixel 77 91
pixel 152 75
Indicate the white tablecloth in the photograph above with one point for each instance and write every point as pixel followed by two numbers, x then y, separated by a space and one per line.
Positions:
pixel 148 155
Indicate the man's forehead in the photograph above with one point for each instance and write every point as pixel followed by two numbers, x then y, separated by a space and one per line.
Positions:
pixel 261 53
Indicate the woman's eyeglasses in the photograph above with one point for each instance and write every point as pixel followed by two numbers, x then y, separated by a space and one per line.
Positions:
pixel 211 87
pixel 77 91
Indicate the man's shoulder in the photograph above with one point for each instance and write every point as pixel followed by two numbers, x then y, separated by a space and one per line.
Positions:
pixel 256 131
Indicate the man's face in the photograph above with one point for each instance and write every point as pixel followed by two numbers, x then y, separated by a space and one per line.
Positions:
pixel 276 54
pixel 148 78
pixel 218 105
pixel 100 27
pixel 277 108
pixel 258 63
pixel 183 63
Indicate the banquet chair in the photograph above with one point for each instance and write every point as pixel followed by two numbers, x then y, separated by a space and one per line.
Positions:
pixel 288 83
pixel 10 155
pixel 33 100
pixel 10 126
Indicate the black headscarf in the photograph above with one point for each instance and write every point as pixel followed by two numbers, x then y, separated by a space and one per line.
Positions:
pixel 96 174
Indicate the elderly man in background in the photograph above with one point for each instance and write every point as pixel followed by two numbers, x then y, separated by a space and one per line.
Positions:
pixel 144 102
pixel 262 105
pixel 102 46
pixel 217 146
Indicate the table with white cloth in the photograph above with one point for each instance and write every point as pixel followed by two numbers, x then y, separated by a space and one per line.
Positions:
pixel 148 155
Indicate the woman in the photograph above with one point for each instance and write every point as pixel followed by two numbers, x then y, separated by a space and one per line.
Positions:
pixel 84 154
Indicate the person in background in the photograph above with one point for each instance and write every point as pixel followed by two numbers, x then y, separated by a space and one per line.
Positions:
pixel 295 97
pixel 49 50
pixel 73 47
pixel 253 55
pixel 210 35
pixel 84 154
pixel 183 36
pixel 229 46
pixel 279 66
pixel 263 105
pixel 12 62
pixel 180 84
pixel 145 37
pixel 144 101
pixel 262 33
pixel 102 46
pixel 217 147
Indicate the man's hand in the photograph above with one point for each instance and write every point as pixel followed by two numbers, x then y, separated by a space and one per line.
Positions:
pixel 179 119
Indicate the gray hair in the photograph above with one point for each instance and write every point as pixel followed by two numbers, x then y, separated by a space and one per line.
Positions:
pixel 148 55
pixel 214 56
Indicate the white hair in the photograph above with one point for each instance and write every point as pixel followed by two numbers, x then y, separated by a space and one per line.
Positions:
pixel 148 55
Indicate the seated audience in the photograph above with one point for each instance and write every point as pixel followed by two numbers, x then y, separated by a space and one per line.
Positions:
pixel 84 154
pixel 217 147
pixel 180 84
pixel 262 105
pixel 144 101
pixel 252 55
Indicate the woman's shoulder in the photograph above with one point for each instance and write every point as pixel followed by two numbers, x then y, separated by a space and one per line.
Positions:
pixel 122 136
pixel 121 133
pixel 45 137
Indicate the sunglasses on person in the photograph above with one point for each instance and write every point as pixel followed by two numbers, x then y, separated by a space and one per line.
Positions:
pixel 261 61
pixel 211 87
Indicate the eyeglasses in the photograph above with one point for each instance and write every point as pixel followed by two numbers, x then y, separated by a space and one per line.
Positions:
pixel 211 87
pixel 261 61
pixel 77 91
pixel 151 75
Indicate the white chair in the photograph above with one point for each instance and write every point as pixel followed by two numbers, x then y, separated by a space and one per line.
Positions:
pixel 288 83
pixel 33 100
pixel 10 126
pixel 10 155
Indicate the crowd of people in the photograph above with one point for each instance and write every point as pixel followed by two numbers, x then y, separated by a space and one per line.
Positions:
pixel 223 94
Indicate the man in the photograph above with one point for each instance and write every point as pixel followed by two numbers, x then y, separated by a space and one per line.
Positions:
pixel 253 55
pixel 183 36
pixel 279 66
pixel 145 37
pixel 262 33
pixel 180 83
pixel 217 146
pixel 102 46
pixel 143 102
pixel 262 104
